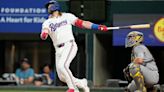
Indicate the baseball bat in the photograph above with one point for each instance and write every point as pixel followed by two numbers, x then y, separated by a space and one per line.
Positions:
pixel 138 26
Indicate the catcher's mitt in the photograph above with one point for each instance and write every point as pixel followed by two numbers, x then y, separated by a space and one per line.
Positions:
pixel 127 74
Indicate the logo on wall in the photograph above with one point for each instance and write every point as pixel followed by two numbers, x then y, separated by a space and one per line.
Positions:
pixel 159 29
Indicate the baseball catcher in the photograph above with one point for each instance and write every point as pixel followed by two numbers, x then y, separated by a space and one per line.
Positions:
pixel 142 72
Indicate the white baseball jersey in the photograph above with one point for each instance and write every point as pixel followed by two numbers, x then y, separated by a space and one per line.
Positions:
pixel 60 28
pixel 60 31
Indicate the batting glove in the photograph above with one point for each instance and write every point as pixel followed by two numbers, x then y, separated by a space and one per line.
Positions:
pixel 44 36
pixel 103 28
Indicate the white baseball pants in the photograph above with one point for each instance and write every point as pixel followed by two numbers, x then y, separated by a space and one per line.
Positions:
pixel 64 56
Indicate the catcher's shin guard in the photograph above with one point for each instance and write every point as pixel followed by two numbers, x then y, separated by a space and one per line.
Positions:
pixel 135 73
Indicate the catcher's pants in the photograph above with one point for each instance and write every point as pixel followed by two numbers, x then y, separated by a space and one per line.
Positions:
pixel 151 77
pixel 65 53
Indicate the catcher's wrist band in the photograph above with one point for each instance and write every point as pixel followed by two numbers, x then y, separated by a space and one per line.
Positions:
pixel 95 26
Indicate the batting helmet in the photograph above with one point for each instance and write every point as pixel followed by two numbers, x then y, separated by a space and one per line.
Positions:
pixel 54 6
pixel 134 38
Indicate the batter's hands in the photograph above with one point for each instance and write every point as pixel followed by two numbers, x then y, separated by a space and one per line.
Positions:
pixel 103 28
pixel 44 35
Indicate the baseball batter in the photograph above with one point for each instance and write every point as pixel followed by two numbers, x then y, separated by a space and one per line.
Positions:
pixel 143 69
pixel 59 28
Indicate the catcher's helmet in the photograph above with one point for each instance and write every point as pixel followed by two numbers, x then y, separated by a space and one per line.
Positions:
pixel 54 6
pixel 134 38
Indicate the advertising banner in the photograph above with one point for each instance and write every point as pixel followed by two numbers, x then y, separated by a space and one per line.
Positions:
pixel 153 36
pixel 22 16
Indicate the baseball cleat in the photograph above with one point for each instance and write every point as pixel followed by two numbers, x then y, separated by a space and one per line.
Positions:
pixel 70 90
pixel 85 85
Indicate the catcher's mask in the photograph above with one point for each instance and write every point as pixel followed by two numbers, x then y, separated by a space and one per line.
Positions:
pixel 133 38
pixel 52 6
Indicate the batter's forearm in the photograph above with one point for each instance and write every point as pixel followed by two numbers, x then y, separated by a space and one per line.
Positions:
pixel 89 25
pixel 85 24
